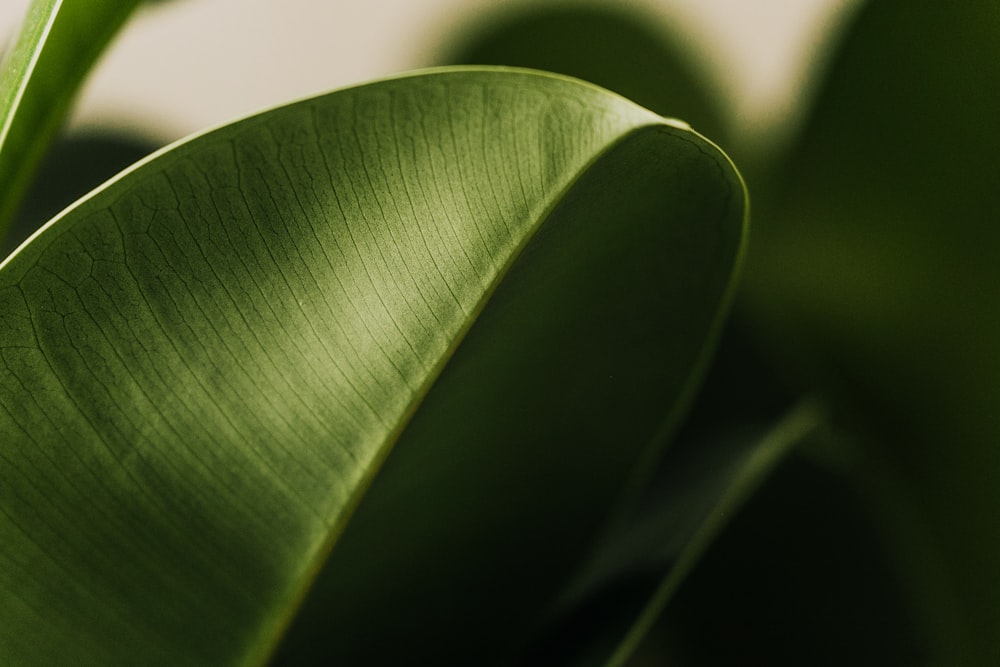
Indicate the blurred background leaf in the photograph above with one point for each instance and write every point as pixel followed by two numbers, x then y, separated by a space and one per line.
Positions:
pixel 875 275
pixel 58 44
pixel 625 50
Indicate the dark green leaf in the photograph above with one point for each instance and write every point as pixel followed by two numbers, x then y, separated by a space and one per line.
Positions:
pixel 881 266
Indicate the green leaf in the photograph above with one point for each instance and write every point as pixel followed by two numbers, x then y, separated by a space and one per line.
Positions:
pixel 881 264
pixel 206 363
pixel 58 43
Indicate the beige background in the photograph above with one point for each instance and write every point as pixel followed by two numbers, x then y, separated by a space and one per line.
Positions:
pixel 188 64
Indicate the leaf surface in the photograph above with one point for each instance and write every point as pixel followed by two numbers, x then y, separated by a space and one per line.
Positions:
pixel 206 363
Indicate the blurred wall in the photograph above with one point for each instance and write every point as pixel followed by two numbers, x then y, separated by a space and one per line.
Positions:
pixel 184 65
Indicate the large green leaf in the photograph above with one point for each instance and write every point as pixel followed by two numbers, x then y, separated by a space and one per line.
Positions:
pixel 58 43
pixel 881 263
pixel 206 363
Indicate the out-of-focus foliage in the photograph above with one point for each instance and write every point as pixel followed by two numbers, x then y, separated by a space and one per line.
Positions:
pixel 55 49
pixel 879 270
